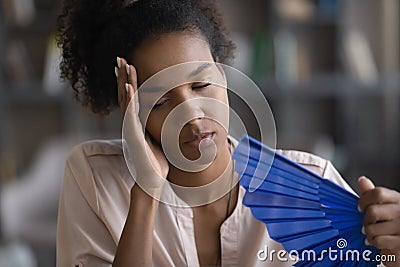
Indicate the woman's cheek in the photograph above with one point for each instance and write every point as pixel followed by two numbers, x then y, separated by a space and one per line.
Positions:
pixel 154 126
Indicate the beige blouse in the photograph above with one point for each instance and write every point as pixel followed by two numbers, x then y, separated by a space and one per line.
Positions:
pixel 94 205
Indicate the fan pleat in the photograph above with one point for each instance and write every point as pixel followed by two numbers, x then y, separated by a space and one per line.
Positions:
pixel 281 230
pixel 281 177
pixel 276 200
pixel 285 213
pixel 267 186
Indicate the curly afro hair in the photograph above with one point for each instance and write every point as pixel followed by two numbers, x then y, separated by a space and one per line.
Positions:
pixel 92 33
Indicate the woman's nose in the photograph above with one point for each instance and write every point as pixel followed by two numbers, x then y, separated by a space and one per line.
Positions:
pixel 190 107
pixel 192 110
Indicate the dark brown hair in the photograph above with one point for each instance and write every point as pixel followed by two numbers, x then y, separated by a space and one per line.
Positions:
pixel 92 33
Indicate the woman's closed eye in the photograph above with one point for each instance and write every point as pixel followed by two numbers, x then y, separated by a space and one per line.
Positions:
pixel 195 86
pixel 198 86
pixel 161 102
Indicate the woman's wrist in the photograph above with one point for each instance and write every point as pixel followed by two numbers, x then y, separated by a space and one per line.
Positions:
pixel 141 198
pixel 150 184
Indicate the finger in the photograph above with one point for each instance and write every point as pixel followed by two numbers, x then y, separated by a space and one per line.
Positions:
pixel 381 212
pixel 133 107
pixel 389 242
pixel 133 88
pixel 390 259
pixel 122 79
pixel 378 195
pixel 116 70
pixel 365 184
pixel 383 228
pixel 132 77
pixel 134 83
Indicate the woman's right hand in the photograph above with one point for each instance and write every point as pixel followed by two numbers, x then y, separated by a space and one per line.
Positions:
pixel 150 164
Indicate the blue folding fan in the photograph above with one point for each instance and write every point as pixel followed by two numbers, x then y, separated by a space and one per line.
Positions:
pixel 300 209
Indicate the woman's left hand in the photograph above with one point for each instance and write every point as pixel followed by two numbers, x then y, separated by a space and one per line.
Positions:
pixel 382 218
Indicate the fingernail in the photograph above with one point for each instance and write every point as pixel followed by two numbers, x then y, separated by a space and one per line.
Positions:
pixel 127 87
pixel 127 69
pixel 359 209
pixel 363 230
pixel 367 242
pixel 116 71
pixel 119 62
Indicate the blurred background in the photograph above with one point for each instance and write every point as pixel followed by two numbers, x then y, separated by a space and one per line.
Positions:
pixel 329 68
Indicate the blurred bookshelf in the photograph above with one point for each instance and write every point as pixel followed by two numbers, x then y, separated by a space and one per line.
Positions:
pixel 299 52
pixel 296 51
pixel 36 108
pixel 360 123
pixel 35 105
pixel 330 71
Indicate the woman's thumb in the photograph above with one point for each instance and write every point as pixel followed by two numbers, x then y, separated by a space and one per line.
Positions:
pixel 365 184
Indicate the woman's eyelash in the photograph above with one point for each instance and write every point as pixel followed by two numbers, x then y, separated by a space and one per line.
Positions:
pixel 193 87
pixel 160 103
pixel 201 86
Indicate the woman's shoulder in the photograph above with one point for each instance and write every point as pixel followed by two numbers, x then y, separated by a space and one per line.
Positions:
pixel 97 168
pixel 97 147
pixel 311 161
pixel 318 165
pixel 97 159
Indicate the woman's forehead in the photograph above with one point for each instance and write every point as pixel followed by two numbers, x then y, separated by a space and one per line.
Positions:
pixel 167 50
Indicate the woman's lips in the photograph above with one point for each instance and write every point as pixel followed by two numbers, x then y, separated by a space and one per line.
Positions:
pixel 195 141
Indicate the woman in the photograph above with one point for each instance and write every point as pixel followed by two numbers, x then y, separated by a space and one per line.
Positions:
pixel 104 219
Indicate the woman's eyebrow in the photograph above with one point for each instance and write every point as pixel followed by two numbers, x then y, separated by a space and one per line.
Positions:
pixel 200 68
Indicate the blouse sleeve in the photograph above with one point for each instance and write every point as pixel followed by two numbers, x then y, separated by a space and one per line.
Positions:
pixel 82 238
pixel 331 173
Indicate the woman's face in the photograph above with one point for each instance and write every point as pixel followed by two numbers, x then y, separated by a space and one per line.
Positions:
pixel 168 50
